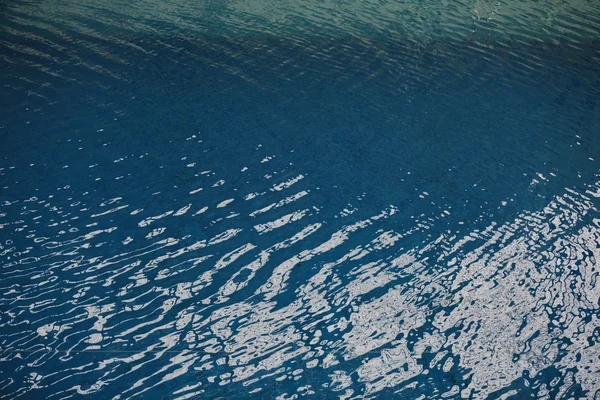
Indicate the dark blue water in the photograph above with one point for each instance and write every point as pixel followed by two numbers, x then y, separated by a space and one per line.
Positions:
pixel 253 200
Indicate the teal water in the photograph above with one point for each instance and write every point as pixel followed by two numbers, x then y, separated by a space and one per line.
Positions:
pixel 315 200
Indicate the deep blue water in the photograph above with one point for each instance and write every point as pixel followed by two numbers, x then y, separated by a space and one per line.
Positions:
pixel 250 200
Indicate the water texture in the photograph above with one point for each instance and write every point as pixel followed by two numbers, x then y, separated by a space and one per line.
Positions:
pixel 260 200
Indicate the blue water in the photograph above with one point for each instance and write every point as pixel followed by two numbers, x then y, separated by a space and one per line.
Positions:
pixel 323 200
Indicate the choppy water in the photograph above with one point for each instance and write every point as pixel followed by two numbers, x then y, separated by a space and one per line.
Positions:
pixel 315 200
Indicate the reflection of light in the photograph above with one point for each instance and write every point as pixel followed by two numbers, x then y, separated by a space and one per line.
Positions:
pixel 404 20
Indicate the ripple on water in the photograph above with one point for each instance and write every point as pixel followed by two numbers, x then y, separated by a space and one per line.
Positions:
pixel 366 201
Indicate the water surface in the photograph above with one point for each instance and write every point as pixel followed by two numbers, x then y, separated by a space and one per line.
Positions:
pixel 250 199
